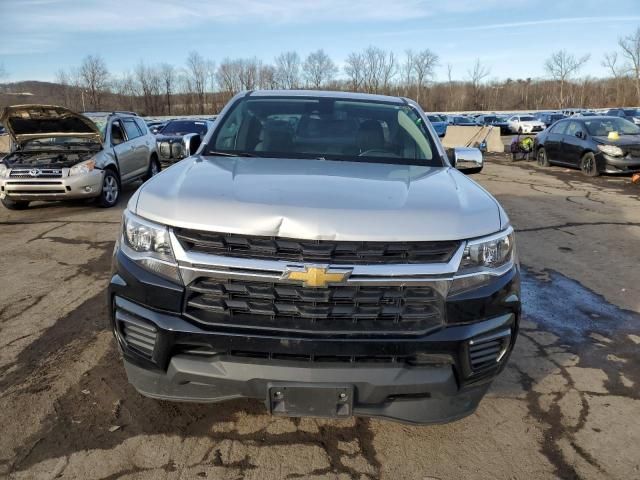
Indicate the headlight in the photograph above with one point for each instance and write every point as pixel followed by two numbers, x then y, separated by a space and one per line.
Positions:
pixel 4 171
pixel 147 243
pixel 81 168
pixel 611 150
pixel 484 259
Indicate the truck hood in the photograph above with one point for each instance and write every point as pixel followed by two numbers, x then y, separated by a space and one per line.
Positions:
pixel 318 199
pixel 27 122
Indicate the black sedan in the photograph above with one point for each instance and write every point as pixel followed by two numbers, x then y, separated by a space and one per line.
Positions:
pixel 594 144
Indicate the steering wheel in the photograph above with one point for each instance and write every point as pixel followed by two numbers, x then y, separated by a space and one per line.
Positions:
pixel 384 152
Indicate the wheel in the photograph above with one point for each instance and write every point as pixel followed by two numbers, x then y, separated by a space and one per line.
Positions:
pixel 110 189
pixel 154 168
pixel 588 165
pixel 543 161
pixel 14 204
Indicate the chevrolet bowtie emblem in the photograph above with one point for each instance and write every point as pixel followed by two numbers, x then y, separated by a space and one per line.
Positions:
pixel 316 276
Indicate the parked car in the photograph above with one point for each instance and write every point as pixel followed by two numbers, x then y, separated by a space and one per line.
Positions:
pixel 155 126
pixel 62 155
pixel 439 124
pixel 631 114
pixel 593 144
pixel 320 253
pixel 460 120
pixel 549 118
pixel 525 124
pixel 179 139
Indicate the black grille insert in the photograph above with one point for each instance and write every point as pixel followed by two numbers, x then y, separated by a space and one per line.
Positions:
pixel 485 353
pixel 340 309
pixel 324 251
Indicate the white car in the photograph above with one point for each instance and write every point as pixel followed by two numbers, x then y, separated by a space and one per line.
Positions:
pixel 525 124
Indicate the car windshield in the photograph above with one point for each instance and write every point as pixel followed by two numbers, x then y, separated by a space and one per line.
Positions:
pixel 631 112
pixel 45 143
pixel 434 118
pixel 527 118
pixel 325 128
pixel 463 120
pixel 602 126
pixel 181 127
pixel 490 119
pixel 101 123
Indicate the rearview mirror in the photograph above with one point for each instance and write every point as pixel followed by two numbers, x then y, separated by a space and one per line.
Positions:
pixel 467 160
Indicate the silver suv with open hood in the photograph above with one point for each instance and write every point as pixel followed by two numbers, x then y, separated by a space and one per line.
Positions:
pixel 59 154
pixel 321 252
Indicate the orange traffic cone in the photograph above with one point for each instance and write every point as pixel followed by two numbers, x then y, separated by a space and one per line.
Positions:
pixel 635 178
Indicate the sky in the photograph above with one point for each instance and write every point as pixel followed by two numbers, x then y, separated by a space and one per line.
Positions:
pixel 513 38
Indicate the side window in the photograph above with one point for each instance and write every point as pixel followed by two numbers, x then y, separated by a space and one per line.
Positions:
pixel 131 128
pixel 573 128
pixel 513 119
pixel 559 128
pixel 142 126
pixel 117 135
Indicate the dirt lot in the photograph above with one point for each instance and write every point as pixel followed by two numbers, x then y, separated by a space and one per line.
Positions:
pixel 567 406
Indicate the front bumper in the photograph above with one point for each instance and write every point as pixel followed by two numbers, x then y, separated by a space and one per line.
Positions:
pixel 87 185
pixel 626 164
pixel 433 383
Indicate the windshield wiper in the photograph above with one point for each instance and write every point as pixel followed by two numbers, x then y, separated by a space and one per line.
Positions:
pixel 230 154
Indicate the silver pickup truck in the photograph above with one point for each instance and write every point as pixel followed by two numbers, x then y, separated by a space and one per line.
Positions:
pixel 323 253
pixel 60 154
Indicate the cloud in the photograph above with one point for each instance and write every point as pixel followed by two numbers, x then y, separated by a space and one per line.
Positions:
pixel 68 16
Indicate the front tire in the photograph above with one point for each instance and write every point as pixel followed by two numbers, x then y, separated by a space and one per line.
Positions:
pixel 110 189
pixel 541 157
pixel 588 165
pixel 154 168
pixel 14 204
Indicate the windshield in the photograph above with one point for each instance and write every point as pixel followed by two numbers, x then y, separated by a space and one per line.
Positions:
pixel 527 118
pixel 434 118
pixel 325 128
pixel 631 112
pixel 69 143
pixel 463 120
pixel 101 123
pixel 602 126
pixel 181 127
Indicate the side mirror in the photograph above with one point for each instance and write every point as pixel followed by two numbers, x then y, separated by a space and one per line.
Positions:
pixel 467 160
pixel 579 134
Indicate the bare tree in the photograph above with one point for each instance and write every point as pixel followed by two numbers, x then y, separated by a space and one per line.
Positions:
pixel 229 75
pixel 562 66
pixel 450 83
pixel 354 69
pixel 197 71
pixel 144 75
pixel 610 62
pixel 408 73
pixel 318 69
pixel 476 76
pixel 630 46
pixel 287 70
pixel 424 65
pixel 95 78
pixel 168 75
pixel 267 77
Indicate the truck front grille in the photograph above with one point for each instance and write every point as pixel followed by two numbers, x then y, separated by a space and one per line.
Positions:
pixel 339 309
pixel 35 173
pixel 322 251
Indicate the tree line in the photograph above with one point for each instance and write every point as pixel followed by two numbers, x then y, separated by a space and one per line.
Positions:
pixel 202 86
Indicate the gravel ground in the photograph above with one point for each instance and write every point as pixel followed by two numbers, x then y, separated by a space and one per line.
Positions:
pixel 567 406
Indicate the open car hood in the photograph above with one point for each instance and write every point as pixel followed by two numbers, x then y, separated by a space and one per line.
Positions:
pixel 26 122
